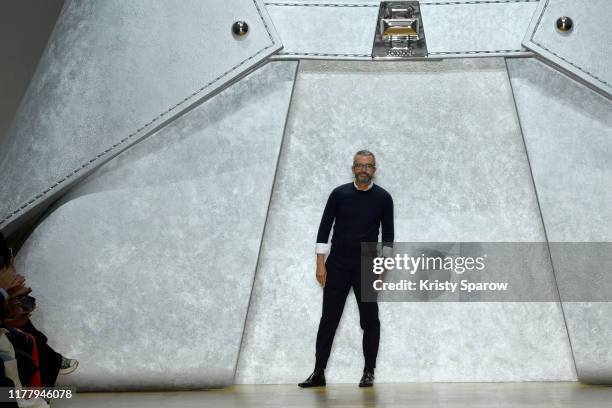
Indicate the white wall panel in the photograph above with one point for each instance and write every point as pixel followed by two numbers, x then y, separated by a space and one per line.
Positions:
pixel 114 72
pixel 345 29
pixel 143 272
pixel 568 133
pixel 586 50
pixel 450 152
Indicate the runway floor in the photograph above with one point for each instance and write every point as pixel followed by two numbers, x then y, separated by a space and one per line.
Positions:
pixel 426 395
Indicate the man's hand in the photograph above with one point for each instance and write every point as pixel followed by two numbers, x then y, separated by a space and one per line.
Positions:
pixel 321 274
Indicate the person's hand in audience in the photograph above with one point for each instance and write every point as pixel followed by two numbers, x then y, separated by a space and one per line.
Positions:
pixel 18 288
pixel 18 291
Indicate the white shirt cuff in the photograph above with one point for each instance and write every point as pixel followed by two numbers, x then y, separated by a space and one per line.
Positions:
pixel 387 251
pixel 4 294
pixel 322 248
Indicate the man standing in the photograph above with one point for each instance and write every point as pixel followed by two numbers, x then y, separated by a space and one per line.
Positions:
pixel 359 209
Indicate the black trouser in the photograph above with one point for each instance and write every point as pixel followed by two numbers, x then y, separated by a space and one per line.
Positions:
pixel 343 272
pixel 49 361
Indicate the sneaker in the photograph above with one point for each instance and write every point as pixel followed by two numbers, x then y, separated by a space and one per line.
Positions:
pixel 68 365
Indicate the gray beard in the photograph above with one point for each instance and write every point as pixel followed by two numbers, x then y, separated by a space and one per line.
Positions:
pixel 363 178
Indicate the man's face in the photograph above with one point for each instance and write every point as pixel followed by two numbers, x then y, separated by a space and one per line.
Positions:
pixel 364 169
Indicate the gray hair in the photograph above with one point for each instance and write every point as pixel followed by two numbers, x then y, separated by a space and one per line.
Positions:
pixel 364 153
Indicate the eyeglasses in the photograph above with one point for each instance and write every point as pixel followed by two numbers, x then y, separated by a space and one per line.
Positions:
pixel 368 166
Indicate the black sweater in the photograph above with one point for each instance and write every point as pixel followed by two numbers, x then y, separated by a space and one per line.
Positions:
pixel 358 215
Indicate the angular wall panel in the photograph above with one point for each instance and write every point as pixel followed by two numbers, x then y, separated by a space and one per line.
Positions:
pixel 568 132
pixel 450 152
pixel 327 31
pixel 114 72
pixel 144 270
pixel 343 29
pixel 586 49
pixel 476 28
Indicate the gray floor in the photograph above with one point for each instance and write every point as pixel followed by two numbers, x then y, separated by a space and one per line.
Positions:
pixel 422 395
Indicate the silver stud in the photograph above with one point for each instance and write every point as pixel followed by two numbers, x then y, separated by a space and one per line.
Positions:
pixel 564 24
pixel 240 28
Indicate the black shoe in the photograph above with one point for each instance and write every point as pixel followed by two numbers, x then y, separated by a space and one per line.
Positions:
pixel 316 379
pixel 367 379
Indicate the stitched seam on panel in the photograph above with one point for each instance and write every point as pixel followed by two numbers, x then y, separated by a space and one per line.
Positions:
pixel 478 52
pixel 540 19
pixel 479 2
pixel 322 5
pixel 431 53
pixel 600 80
pixel 574 65
pixel 263 19
pixel 376 5
pixel 324 54
pixel 137 131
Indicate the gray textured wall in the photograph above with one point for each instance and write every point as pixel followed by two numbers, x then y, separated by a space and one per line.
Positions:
pixel 568 132
pixel 113 72
pixel 449 150
pixel 144 271
pixel 586 50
